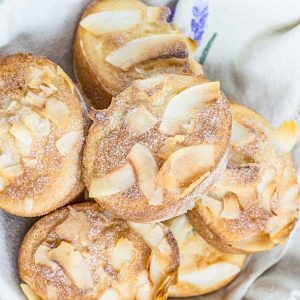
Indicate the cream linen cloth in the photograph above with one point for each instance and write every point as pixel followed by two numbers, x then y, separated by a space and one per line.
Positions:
pixel 254 53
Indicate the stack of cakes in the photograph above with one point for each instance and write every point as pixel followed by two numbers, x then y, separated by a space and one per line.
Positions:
pixel 174 184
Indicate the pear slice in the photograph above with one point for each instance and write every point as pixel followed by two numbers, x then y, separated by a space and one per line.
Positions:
pixel 111 21
pixel 211 275
pixel 185 166
pixel 184 103
pixel 147 48
pixel 231 207
pixel 285 136
pixel 146 170
pixel 240 134
pixel 117 181
pixel 123 254
pixel 66 142
pixel 29 293
pixel 73 263
pixel 140 120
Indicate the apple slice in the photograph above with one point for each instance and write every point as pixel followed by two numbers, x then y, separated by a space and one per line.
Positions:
pixel 66 142
pixel 214 205
pixel 75 228
pixel 140 120
pixel 110 294
pixel 157 14
pixel 240 134
pixel 30 162
pixel 33 99
pixel 156 271
pixel 117 181
pixel 12 172
pixel 285 136
pixel 36 124
pixel 185 102
pixel 149 83
pixel 73 263
pixel 29 293
pixel 41 257
pixel 170 145
pixel 267 196
pixel 123 254
pixel 2 184
pixel 151 233
pixel 146 170
pixel 147 48
pixel 60 72
pixel 185 166
pixel 211 275
pixel 111 21
pixel 20 132
pixel 57 112
pixel 6 161
pixel 231 207
pixel 289 200
pixel 144 290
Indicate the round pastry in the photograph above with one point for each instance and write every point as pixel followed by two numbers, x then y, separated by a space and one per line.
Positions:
pixel 120 41
pixel 203 269
pixel 159 146
pixel 41 136
pixel 83 252
pixel 254 206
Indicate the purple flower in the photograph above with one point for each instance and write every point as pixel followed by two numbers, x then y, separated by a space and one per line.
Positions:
pixel 200 13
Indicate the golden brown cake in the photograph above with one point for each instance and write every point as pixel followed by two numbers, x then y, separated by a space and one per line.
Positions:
pixel 254 206
pixel 159 146
pixel 203 269
pixel 120 41
pixel 41 136
pixel 83 252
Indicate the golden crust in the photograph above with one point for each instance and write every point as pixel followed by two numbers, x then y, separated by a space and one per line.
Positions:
pixel 254 205
pixel 37 177
pixel 99 79
pixel 116 257
pixel 112 141
pixel 203 269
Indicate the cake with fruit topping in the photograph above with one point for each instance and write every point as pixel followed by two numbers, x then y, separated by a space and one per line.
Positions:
pixel 203 269
pixel 83 252
pixel 159 146
pixel 254 205
pixel 42 135
pixel 120 41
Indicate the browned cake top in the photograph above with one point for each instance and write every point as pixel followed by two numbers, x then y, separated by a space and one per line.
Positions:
pixel 41 125
pixel 255 203
pixel 83 252
pixel 160 145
